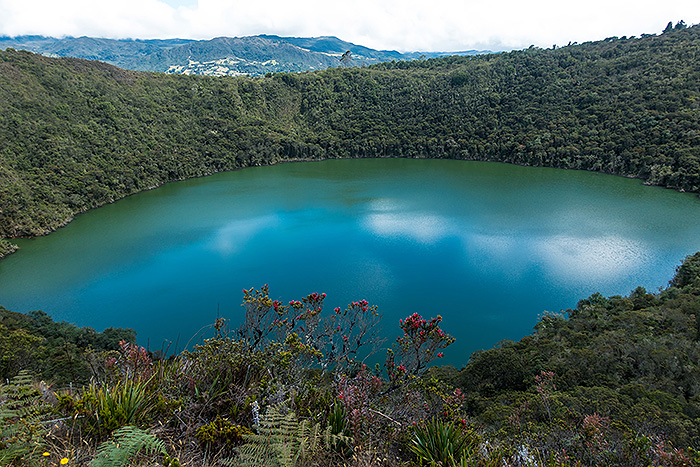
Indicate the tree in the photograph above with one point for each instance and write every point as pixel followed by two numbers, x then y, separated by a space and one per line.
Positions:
pixel 346 59
pixel 688 273
pixel 18 350
pixel 421 343
pixel 332 339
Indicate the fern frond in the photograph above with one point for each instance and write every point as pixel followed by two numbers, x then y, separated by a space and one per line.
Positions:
pixel 21 412
pixel 128 442
pixel 284 441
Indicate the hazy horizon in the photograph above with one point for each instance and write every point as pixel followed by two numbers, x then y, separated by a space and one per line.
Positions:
pixel 405 26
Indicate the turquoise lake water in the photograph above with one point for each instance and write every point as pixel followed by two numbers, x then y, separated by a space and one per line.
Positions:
pixel 487 246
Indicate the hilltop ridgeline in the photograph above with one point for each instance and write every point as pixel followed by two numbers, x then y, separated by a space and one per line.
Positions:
pixel 76 134
pixel 230 56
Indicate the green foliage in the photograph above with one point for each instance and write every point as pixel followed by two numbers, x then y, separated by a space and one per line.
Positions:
pixel 337 420
pixel 283 440
pixel 18 349
pixel 338 424
pixel 128 442
pixel 21 429
pixel 110 407
pixel 59 352
pixel 442 443
pixel 75 135
pixel 688 273
pixel 221 433
pixel 7 248
pixel 617 371
pixel 220 373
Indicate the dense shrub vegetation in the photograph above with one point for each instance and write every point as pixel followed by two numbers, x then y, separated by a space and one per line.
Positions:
pixel 615 381
pixel 76 134
pixel 59 352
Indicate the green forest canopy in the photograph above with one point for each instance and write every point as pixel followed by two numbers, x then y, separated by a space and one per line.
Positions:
pixel 76 134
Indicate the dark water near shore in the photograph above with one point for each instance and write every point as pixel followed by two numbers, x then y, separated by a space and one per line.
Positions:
pixel 487 246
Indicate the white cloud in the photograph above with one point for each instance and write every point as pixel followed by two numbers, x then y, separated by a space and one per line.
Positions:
pixel 405 25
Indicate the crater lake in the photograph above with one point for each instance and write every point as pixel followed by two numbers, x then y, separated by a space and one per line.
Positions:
pixel 489 247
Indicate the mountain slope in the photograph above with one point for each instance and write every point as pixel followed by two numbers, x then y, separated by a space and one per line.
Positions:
pixel 252 55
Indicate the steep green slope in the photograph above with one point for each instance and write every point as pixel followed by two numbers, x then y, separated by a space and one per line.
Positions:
pixel 75 134
pixel 631 359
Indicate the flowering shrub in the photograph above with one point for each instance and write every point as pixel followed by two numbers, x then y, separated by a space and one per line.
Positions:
pixel 132 363
pixel 545 383
pixel 452 404
pixel 421 343
pixel 667 455
pixel 594 428
pixel 331 340
pixel 353 330
pixel 355 395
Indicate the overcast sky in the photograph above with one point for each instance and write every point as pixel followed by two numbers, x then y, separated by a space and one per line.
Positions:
pixel 404 25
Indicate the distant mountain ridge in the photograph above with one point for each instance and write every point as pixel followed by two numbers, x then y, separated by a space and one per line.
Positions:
pixel 250 55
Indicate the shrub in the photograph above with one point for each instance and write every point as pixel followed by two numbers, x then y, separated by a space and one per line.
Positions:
pixel 108 408
pixel 442 443
pixel 221 433
pixel 421 343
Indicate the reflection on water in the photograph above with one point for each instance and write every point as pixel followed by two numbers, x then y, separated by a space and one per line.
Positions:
pixel 233 236
pixel 597 259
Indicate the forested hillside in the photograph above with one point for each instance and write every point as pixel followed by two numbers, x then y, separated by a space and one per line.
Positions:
pixel 76 134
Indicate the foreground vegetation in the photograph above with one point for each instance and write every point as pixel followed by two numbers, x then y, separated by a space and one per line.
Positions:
pixel 615 381
pixel 75 134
